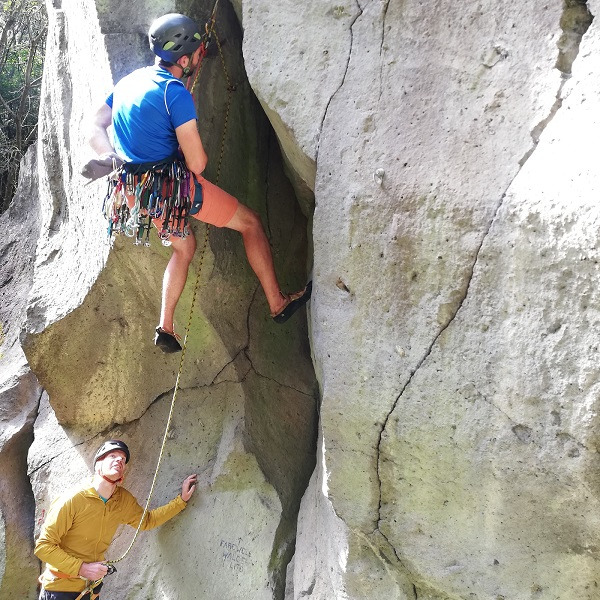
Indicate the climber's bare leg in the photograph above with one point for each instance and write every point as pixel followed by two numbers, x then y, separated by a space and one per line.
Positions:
pixel 258 251
pixel 223 210
pixel 175 277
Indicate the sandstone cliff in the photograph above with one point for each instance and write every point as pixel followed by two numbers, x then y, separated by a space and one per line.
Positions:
pixel 433 165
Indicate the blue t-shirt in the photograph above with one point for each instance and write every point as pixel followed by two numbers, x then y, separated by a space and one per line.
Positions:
pixel 147 105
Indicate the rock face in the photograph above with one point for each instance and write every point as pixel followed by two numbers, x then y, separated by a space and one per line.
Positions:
pixel 455 313
pixel 19 390
pixel 444 157
pixel 245 414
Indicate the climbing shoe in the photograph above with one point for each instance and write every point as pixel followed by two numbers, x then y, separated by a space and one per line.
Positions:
pixel 293 303
pixel 167 342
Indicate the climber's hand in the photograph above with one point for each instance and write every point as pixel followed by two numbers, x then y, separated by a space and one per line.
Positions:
pixel 188 487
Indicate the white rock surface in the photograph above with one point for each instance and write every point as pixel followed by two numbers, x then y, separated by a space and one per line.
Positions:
pixel 445 270
pixel 71 243
pixel 295 56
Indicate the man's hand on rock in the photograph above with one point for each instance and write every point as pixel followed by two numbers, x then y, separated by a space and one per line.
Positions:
pixel 188 487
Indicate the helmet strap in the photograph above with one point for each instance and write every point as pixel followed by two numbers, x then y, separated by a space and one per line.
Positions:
pixel 188 70
pixel 110 480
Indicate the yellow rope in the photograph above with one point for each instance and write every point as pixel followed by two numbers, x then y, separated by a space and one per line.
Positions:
pixel 230 90
pixel 171 410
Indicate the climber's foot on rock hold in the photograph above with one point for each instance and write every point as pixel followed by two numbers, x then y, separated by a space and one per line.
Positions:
pixel 167 341
pixel 292 303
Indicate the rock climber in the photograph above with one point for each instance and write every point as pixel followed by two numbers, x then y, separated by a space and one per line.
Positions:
pixel 154 118
pixel 81 524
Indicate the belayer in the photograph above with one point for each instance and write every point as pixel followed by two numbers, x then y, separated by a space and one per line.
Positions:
pixel 155 135
pixel 81 524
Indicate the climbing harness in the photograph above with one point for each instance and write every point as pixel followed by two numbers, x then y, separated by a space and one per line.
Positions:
pixel 91 585
pixel 161 191
pixel 210 32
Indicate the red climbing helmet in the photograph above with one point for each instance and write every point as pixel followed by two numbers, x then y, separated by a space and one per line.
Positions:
pixel 173 36
pixel 109 446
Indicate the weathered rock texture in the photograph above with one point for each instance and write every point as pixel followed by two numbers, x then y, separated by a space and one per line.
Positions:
pixel 445 157
pixel 455 318
pixel 19 391
pixel 245 417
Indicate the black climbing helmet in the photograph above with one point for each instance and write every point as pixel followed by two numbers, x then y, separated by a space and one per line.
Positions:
pixel 173 36
pixel 109 446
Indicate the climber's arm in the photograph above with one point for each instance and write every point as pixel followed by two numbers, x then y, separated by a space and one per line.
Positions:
pixel 191 146
pixel 98 138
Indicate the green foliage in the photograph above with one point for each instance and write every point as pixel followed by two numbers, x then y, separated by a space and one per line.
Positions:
pixel 23 25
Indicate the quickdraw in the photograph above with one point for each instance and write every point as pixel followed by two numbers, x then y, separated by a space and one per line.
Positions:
pixel 161 191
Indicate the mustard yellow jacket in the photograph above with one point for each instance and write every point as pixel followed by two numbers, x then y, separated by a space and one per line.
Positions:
pixel 80 527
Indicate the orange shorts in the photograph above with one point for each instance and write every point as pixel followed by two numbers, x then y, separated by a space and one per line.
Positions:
pixel 218 207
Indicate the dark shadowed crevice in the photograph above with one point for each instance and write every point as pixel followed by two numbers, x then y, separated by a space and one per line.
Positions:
pixel 18 505
pixel 575 21
pixel 267 184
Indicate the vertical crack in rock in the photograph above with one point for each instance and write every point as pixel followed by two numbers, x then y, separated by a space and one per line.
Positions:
pixel 54 137
pixel 34 416
pixel 575 21
pixel 248 313
pixel 17 506
pixel 246 345
pixel 326 111
pixel 428 351
pixel 382 46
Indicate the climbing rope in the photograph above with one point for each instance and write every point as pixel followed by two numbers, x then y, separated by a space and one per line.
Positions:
pixel 171 409
pixel 210 29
